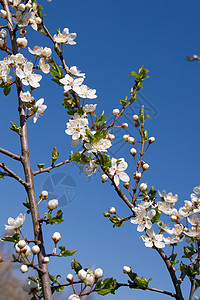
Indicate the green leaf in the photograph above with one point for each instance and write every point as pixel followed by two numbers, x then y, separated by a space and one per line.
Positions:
pixel 15 128
pixel 53 279
pixel 133 73
pixel 106 286
pixel 13 239
pixel 75 157
pixel 145 135
pixel 56 219
pixel 7 90
pixel 90 135
pixel 39 11
pixel 55 155
pixel 2 175
pixel 27 205
pixel 76 266
pixel 40 166
pixel 142 283
pixel 105 160
pixel 124 102
pixel 66 253
pixel 100 119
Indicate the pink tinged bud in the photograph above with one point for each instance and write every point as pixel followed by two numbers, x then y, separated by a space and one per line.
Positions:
pixel 111 136
pixel 3 14
pixel 145 167
pixel 126 270
pixel 125 137
pixel 143 187
pixel 21 244
pixel 44 195
pixel 112 210
pixel 104 178
pixel 124 125
pixel 35 249
pixel 106 214
pixel 45 260
pixel 24 269
pixel 151 140
pixel 116 112
pixel 52 204
pixel 56 237
pixel 133 151
pixel 82 274
pixel 131 140
pixel 126 185
pixel 135 118
pixel 70 278
pixel 98 273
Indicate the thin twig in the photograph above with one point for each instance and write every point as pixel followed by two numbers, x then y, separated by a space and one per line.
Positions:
pixel 13 175
pixel 52 167
pixel 10 154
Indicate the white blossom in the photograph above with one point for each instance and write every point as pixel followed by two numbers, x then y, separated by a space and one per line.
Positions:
pixel 85 92
pixel 26 96
pixel 151 239
pixel 89 108
pixel 75 72
pixel 65 37
pixel 14 225
pixel 27 76
pixel 71 83
pixel 35 249
pixel 143 218
pixel 73 297
pixel 98 273
pixel 40 109
pixel 117 170
pixel 20 19
pixel 44 67
pixel 76 126
pixel 99 146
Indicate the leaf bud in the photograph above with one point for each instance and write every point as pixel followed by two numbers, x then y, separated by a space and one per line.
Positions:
pixel 112 210
pixel 131 140
pixel 126 270
pixel 116 112
pixel 70 277
pixel 106 214
pixel 56 237
pixel 125 137
pixel 143 187
pixel 135 118
pixel 35 249
pixel 104 178
pixel 151 140
pixel 124 125
pixel 133 151
pixel 24 269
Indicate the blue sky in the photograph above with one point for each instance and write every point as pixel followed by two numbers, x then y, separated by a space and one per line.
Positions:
pixel 114 38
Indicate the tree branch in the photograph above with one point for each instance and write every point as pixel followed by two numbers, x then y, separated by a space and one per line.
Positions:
pixel 10 154
pixel 51 167
pixel 13 175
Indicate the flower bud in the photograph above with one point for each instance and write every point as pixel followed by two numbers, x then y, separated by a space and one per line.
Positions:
pixel 46 52
pixel 70 277
pixel 104 178
pixel 3 14
pixel 52 204
pixel 17 249
pixel 135 118
pixel 56 237
pixel 45 260
pixel 106 214
pixel 24 269
pixel 35 249
pixel 111 136
pixel 112 210
pixel 137 175
pixel 125 137
pixel 82 274
pixel 73 297
pixel 174 218
pixel 143 187
pixel 116 112
pixel 21 244
pixel 44 195
pixel 131 140
pixel 38 20
pixel 90 279
pixel 22 42
pixel 151 140
pixel 133 151
pixel 124 125
pixel 98 273
pixel 26 251
pixel 28 6
pixel 126 185
pixel 145 167
pixel 22 7
pixel 126 270
pixel 3 34
pixel 22 32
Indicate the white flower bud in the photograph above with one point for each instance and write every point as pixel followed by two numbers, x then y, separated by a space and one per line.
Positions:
pixel 98 273
pixel 17 249
pixel 44 195
pixel 124 125
pixel 137 175
pixel 133 151
pixel 28 6
pixel 26 250
pixel 70 277
pixel 151 140
pixel 3 14
pixel 46 52
pixel 116 112
pixel 174 218
pixel 35 249
pixel 106 214
pixel 38 20
pixel 3 34
pixel 126 270
pixel 126 185
pixel 52 204
pixel 135 118
pixel 143 187
pixel 90 279
pixel 82 274
pixel 111 136
pixel 21 244
pixel 112 210
pixel 125 137
pixel 145 167
pixel 56 237
pixel 45 260
pixel 22 42
pixel 131 140
pixel 73 297
pixel 24 269
pixel 22 7
pixel 104 178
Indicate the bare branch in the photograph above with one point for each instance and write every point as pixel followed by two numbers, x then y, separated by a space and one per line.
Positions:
pixel 10 154
pixel 51 167
pixel 13 175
